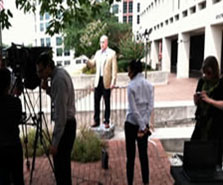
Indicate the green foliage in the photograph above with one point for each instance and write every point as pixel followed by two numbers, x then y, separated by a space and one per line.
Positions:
pixel 89 39
pixel 30 145
pixel 62 12
pixel 88 70
pixel 116 33
pixel 130 49
pixel 123 65
pixel 84 36
pixel 87 146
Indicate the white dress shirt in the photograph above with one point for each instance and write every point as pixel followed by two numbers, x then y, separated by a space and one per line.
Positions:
pixel 102 58
pixel 140 101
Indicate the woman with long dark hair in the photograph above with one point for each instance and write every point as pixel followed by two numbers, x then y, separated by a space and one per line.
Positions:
pixel 208 98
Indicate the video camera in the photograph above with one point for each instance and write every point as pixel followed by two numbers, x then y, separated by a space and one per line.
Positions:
pixel 22 60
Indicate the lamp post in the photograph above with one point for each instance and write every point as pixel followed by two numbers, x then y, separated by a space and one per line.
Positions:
pixel 146 39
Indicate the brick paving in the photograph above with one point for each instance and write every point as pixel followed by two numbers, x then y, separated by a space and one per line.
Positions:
pixel 93 174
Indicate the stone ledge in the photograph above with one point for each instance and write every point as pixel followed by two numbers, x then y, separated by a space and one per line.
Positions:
pixel 104 133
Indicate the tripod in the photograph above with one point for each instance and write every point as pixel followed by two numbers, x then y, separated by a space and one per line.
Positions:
pixel 37 120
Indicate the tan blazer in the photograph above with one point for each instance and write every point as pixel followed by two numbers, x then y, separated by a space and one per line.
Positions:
pixel 110 68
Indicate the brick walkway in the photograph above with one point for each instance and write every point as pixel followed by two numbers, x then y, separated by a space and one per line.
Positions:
pixel 93 174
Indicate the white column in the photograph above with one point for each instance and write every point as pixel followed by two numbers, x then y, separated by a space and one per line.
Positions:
pixel 166 54
pixel 212 42
pixel 183 55
pixel 154 54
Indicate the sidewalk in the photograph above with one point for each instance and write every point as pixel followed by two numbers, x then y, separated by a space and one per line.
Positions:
pixel 93 174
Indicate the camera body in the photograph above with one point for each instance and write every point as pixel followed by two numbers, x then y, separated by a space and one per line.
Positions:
pixel 22 61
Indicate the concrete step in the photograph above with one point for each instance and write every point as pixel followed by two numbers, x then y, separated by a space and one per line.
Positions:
pixel 172 138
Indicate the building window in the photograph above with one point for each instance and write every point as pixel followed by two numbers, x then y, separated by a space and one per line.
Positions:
pixel 47 25
pixel 192 9
pixel 184 13
pixel 130 19
pixel 78 61
pixel 67 62
pixel 41 27
pixel 47 16
pixel 130 7
pixel 42 42
pixel 216 1
pixel 40 17
pixel 138 7
pixel 59 52
pixel 176 17
pixel 202 5
pixel 58 41
pixel 66 52
pixel 48 42
pixel 138 19
pixel 115 9
pixel 124 19
pixel 124 7
pixel 59 63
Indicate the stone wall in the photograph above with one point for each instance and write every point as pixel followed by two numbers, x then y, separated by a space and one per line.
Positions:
pixel 155 77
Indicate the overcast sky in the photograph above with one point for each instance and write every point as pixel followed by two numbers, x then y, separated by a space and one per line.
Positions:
pixel 22 30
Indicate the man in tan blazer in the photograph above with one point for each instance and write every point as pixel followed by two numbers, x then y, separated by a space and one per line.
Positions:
pixel 105 78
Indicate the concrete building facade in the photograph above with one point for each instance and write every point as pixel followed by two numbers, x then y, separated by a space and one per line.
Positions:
pixel 184 32
pixel 61 55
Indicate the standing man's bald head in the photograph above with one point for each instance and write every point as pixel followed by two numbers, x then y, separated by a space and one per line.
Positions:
pixel 104 42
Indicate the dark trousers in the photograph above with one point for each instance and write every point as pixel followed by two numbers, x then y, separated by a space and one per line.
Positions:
pixel 62 159
pixel 11 165
pixel 130 140
pixel 98 93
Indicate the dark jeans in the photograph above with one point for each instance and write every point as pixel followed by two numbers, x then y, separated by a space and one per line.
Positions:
pixel 130 140
pixel 11 165
pixel 62 159
pixel 98 93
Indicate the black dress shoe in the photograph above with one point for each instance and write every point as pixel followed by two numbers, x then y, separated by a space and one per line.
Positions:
pixel 106 125
pixel 95 125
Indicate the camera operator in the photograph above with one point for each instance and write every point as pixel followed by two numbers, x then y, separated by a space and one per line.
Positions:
pixel 11 155
pixel 61 92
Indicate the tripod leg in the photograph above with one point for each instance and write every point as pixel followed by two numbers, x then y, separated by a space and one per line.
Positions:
pixel 43 143
pixel 34 154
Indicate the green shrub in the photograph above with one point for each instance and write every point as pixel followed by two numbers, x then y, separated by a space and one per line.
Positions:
pixel 123 65
pixel 87 146
pixel 88 70
pixel 30 144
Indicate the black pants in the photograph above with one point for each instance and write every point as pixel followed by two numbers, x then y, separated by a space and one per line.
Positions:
pixel 130 140
pixel 62 159
pixel 11 165
pixel 98 92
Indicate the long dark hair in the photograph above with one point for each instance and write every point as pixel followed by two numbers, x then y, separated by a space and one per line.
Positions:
pixel 211 62
pixel 135 67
